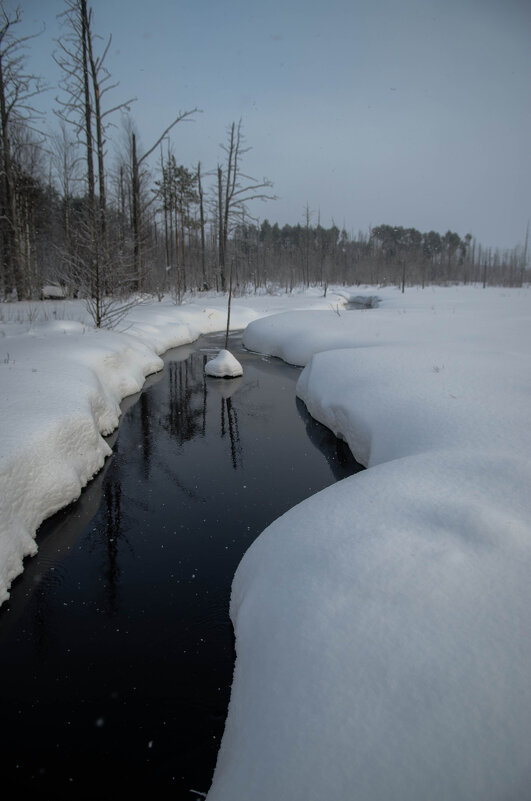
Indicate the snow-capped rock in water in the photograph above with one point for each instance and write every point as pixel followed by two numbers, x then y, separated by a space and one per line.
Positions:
pixel 224 365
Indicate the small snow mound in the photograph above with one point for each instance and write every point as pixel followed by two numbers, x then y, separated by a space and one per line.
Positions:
pixel 224 366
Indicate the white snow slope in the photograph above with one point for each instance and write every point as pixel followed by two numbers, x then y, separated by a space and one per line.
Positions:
pixel 383 627
pixel 61 382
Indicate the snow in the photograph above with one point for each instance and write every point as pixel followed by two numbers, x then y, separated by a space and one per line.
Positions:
pixel 382 626
pixel 224 365
pixel 54 291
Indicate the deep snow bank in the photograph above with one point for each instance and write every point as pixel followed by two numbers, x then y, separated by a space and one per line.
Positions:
pixel 61 389
pixel 382 626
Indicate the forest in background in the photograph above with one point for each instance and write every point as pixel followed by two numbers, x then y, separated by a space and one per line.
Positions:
pixel 106 227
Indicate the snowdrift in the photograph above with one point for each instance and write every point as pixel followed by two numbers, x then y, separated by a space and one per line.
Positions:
pixel 382 626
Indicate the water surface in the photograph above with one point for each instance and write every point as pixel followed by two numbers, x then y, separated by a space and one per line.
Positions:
pixel 116 650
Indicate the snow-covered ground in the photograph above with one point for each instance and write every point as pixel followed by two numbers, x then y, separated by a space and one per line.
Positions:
pixel 383 629
pixel 382 626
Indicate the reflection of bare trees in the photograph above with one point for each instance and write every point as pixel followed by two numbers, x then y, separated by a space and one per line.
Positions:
pixel 110 534
pixel 189 492
pixel 204 361
pixel 145 428
pixel 185 416
pixel 113 520
pixel 229 414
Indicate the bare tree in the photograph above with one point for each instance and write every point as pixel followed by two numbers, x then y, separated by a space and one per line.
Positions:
pixel 17 88
pixel 65 159
pixel 234 191
pixel 85 82
pixel 136 162
pixel 204 283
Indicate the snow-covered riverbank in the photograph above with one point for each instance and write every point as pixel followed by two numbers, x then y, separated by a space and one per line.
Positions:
pixel 382 627
pixel 382 634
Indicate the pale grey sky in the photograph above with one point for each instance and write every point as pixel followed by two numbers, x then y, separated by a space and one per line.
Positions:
pixel 413 113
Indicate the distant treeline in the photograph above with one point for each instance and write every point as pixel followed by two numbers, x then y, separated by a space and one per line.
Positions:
pixel 312 254
pixel 179 252
pixel 147 224
pixel 176 246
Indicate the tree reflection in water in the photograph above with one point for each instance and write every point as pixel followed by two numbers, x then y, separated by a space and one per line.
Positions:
pixel 113 517
pixel 229 417
pixel 185 416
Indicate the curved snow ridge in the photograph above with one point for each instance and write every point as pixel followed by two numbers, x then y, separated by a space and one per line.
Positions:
pixel 383 642
pixel 65 388
pixel 392 402
pixel 166 325
pixel 296 336
pixel 42 478
pixel 382 625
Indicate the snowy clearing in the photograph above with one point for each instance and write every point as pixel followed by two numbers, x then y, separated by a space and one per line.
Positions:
pixel 382 627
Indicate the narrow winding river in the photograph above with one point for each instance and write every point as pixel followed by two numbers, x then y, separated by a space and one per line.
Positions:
pixel 116 649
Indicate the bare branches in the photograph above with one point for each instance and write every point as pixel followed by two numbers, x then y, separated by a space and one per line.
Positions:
pixel 235 189
pixel 75 46
pixel 17 88
pixel 183 115
pixel 135 168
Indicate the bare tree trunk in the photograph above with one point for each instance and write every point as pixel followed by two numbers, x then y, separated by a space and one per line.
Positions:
pixel 87 112
pixel 99 128
pixel 165 210
pixel 231 195
pixel 183 246
pixel 94 267
pixel 202 224
pixel 221 234
pixel 13 272
pixel 122 206
pixel 136 214
pixel 177 271
pixel 228 306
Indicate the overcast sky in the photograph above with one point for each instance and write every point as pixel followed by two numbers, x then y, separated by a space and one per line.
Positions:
pixel 404 112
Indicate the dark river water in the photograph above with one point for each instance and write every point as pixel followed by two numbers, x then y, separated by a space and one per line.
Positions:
pixel 116 649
